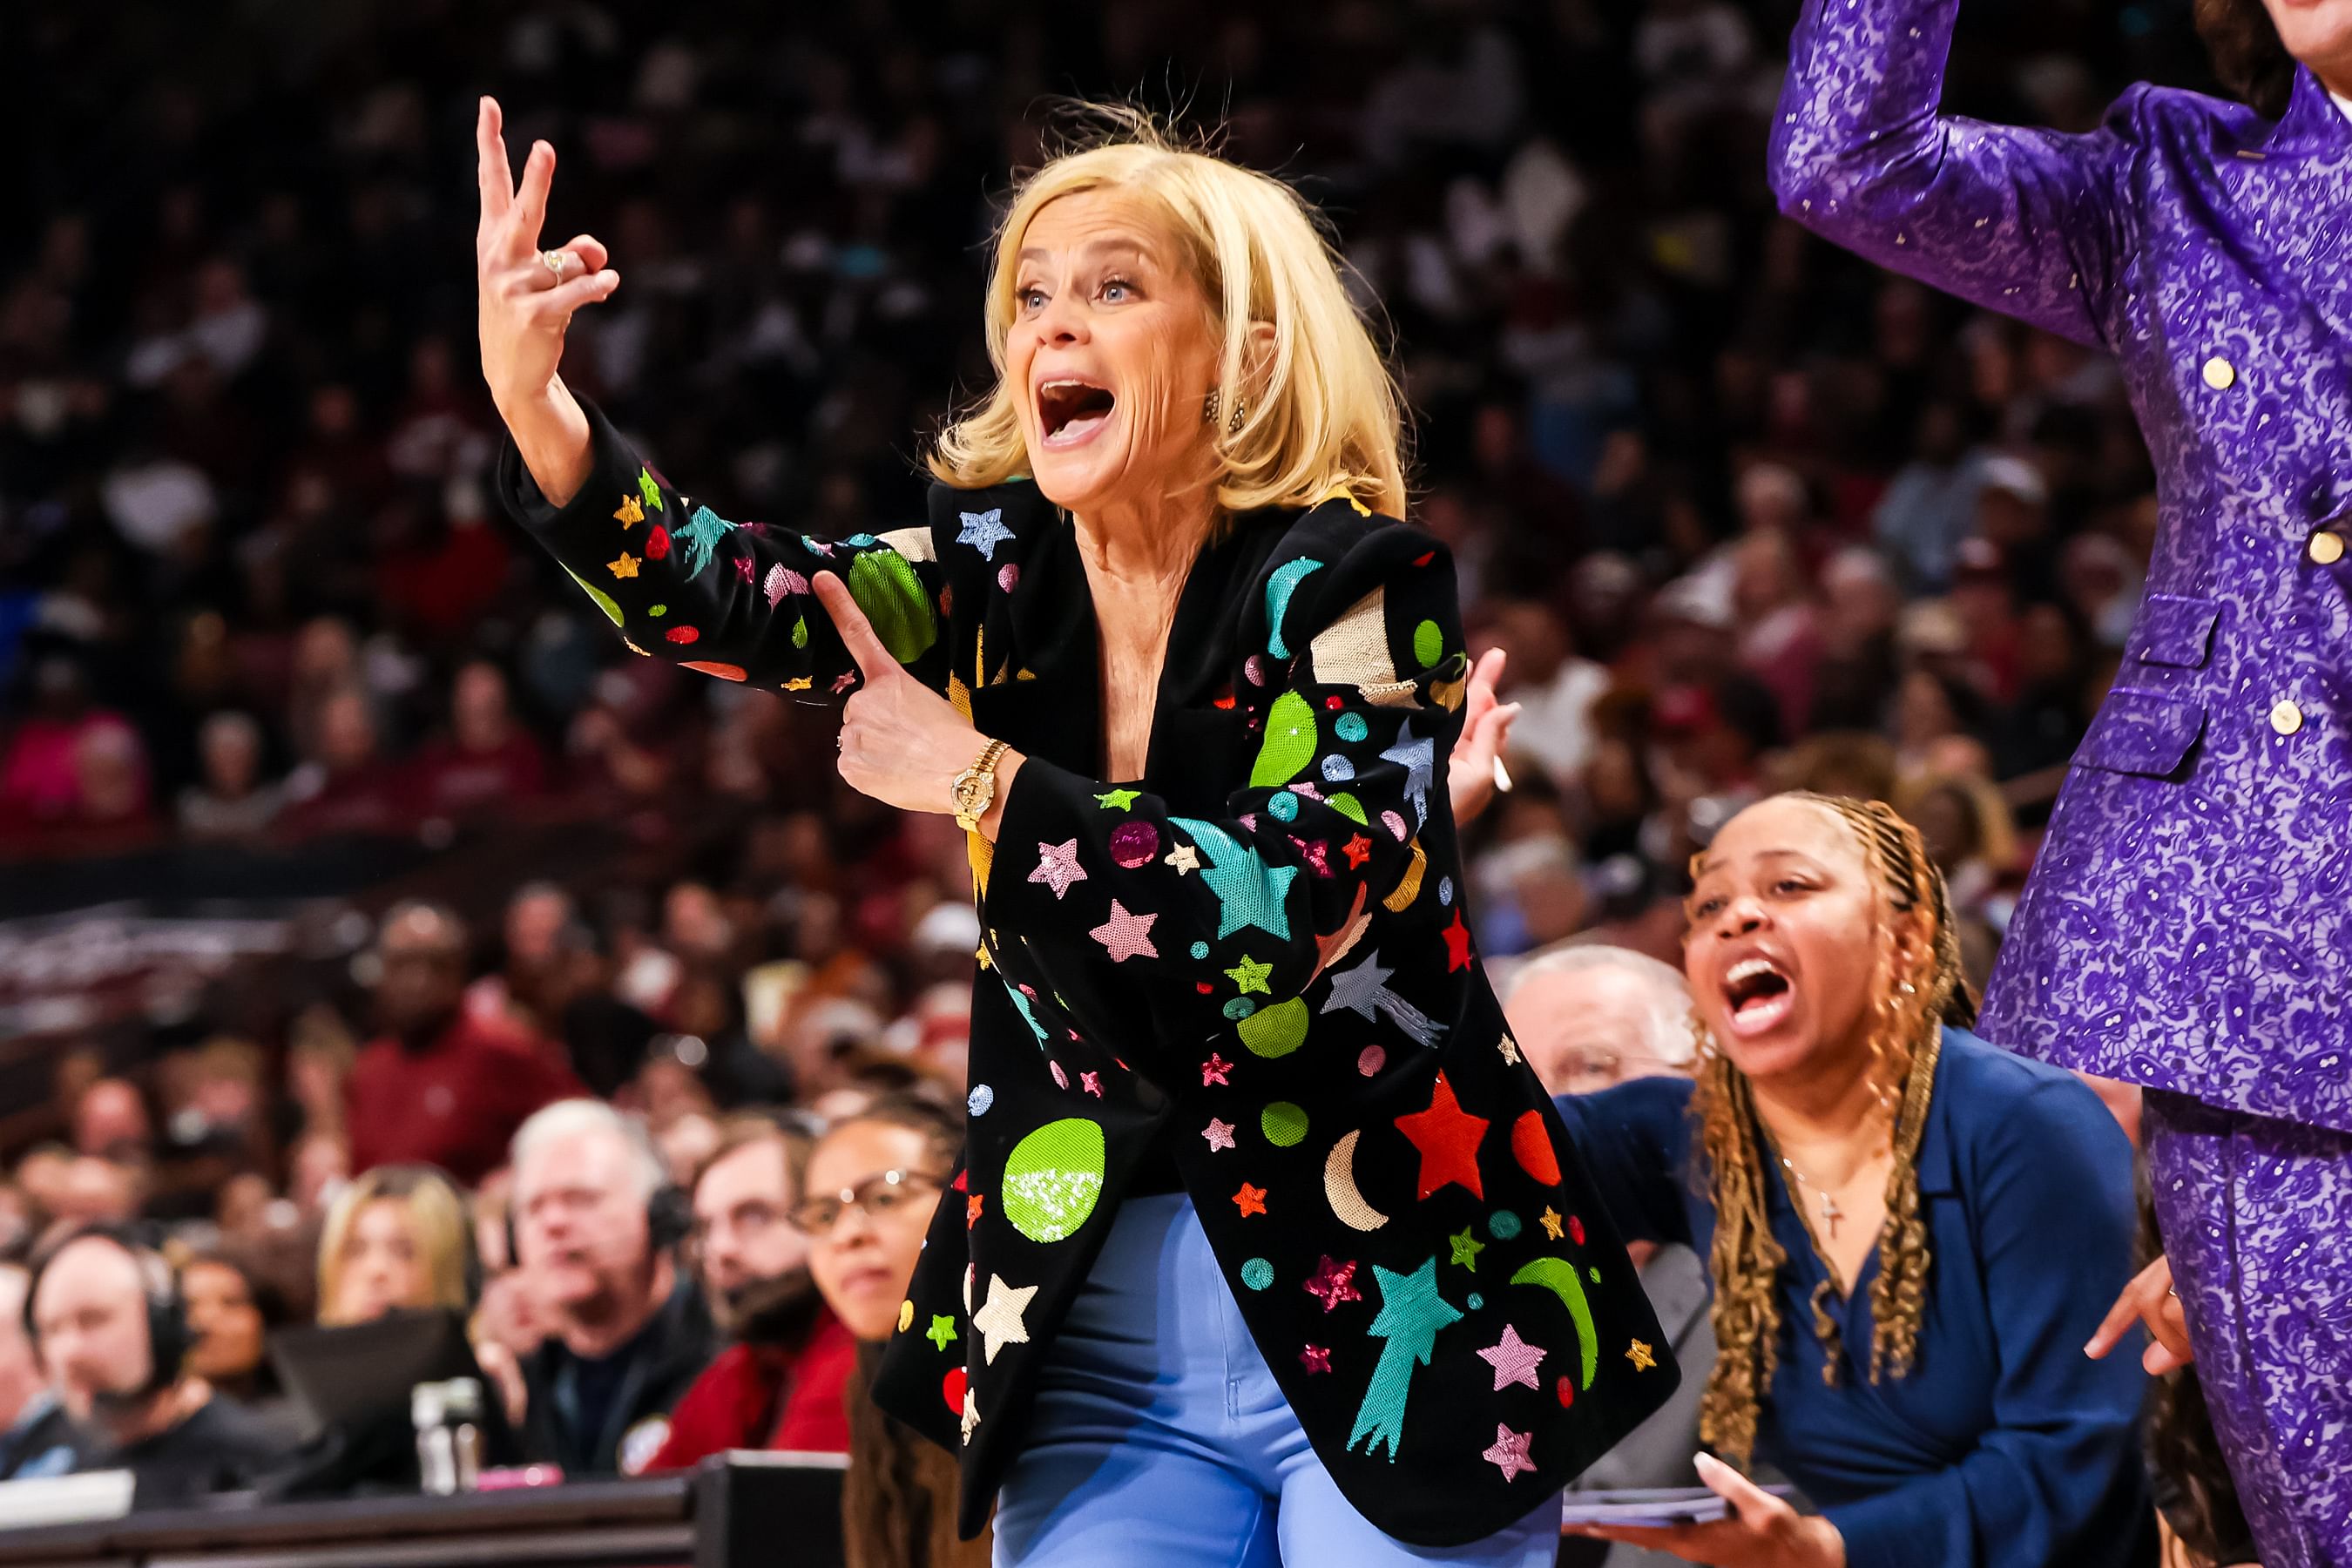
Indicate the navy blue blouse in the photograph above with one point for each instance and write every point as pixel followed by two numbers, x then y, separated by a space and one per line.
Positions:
pixel 2006 1446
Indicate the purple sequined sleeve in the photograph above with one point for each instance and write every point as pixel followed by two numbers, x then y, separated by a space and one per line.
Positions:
pixel 2027 222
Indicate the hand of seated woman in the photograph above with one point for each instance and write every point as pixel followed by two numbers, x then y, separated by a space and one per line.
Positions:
pixel 2150 1299
pixel 1763 1531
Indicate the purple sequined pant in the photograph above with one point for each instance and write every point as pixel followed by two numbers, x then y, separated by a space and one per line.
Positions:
pixel 2257 1219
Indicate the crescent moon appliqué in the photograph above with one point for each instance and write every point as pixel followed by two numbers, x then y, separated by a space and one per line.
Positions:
pixel 1340 1186
pixel 1558 1274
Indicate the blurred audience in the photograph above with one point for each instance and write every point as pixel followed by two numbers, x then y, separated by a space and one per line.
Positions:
pixel 36 1437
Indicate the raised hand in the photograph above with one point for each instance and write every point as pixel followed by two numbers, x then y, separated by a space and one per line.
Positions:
pixel 1473 772
pixel 526 296
pixel 901 742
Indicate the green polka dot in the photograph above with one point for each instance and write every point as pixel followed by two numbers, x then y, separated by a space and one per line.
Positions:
pixel 1200 950
pixel 1475 1301
pixel 1052 1179
pixel 1350 727
pixel 658 611
pixel 1283 1123
pixel 887 590
pixel 1502 1224
pixel 1258 1274
pixel 1428 644
pixel 1240 1007
pixel 1276 1031
pixel 799 632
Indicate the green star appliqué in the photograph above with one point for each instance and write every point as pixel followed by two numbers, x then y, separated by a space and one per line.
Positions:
pixel 942 1331
pixel 1466 1249
pixel 1250 975
pixel 1116 800
pixel 647 489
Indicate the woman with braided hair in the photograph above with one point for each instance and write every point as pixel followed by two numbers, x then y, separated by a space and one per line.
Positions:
pixel 1910 1234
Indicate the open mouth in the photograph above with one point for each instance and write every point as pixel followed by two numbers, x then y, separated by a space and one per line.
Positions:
pixel 1759 994
pixel 1072 411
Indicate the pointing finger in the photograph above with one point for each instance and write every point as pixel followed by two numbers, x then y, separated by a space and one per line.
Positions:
pixel 856 632
pixel 2119 1320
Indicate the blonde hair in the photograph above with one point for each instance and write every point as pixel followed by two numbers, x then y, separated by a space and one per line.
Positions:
pixel 436 1220
pixel 1913 1008
pixel 1321 415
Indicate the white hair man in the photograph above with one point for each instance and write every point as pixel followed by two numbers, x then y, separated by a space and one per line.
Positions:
pixel 596 1223
pixel 1587 1018
pixel 35 1436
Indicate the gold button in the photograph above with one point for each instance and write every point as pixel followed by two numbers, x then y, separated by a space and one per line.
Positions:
pixel 2328 547
pixel 2286 718
pixel 2220 373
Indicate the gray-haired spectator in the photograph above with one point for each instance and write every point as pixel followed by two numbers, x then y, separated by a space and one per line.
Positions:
pixel 231 800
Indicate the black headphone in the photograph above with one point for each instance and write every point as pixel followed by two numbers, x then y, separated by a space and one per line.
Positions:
pixel 169 1338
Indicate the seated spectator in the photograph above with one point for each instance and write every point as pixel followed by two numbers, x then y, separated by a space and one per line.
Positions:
pixel 781 1384
pixel 113 1332
pixel 36 1437
pixel 1588 1017
pixel 873 1181
pixel 345 783
pixel 395 1240
pixel 232 800
pixel 110 1122
pixel 487 760
pixel 596 1223
pixel 440 1088
pixel 230 1314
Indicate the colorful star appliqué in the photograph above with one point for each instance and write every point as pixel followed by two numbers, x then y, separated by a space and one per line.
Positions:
pixel 1365 990
pixel 1639 1354
pixel 1418 757
pixel 631 513
pixel 999 1318
pixel 1184 858
pixel 1057 866
pixel 984 531
pixel 1334 1283
pixel 1219 1133
pixel 1092 1083
pixel 1510 1047
pixel 1249 974
pixel 1509 1454
pixel 1551 1223
pixel 940 1332
pixel 1411 1312
pixel 1458 943
pixel 1513 1359
pixel 1214 1069
pixel 647 489
pixel 1125 935
pixel 1116 799
pixel 971 1206
pixel 1315 1359
pixel 1447 1137
pixel 624 565
pixel 1249 891
pixel 1466 1248
pixel 1250 1200
pixel 1358 849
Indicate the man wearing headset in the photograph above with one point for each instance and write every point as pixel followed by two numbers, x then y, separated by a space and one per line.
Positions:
pixel 105 1315
pixel 596 1232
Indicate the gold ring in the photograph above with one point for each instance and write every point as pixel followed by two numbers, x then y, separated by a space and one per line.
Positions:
pixel 555 260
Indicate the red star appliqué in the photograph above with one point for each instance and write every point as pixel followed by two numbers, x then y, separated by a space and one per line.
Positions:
pixel 1334 1283
pixel 1447 1137
pixel 1316 855
pixel 1250 1200
pixel 972 1209
pixel 1315 1359
pixel 1214 1069
pixel 1458 943
pixel 1357 850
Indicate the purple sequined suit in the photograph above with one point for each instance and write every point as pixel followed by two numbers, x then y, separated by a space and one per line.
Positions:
pixel 2188 925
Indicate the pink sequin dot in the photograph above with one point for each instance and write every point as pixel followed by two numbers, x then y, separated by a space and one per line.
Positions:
pixel 1394 824
pixel 1008 574
pixel 1133 844
pixel 1255 667
pixel 1061 1079
pixel 1372 1062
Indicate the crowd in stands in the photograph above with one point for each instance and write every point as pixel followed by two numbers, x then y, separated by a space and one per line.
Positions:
pixel 1744 512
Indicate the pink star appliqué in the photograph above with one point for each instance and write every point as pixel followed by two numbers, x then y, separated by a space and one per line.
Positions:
pixel 1220 1134
pixel 848 678
pixel 1214 1069
pixel 1315 1359
pixel 1509 1454
pixel 1057 866
pixel 1513 1359
pixel 1318 855
pixel 1125 935
pixel 1334 1283
pixel 742 565
pixel 1092 1083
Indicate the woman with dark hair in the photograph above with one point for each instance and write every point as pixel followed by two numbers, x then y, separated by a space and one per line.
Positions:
pixel 2186 928
pixel 1909 1233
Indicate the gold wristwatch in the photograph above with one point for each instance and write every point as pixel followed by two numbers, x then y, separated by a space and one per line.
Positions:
pixel 974 789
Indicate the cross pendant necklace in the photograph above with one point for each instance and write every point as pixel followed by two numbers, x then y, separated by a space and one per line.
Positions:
pixel 1830 1213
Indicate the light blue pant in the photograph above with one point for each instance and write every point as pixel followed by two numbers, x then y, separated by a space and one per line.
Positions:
pixel 1159 1437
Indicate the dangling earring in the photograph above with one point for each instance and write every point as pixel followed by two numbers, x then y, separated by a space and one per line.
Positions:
pixel 1208 410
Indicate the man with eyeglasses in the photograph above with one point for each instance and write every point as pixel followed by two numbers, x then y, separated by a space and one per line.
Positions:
pixel 780 1385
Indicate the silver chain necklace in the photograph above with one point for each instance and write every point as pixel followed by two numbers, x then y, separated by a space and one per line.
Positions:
pixel 1830 1213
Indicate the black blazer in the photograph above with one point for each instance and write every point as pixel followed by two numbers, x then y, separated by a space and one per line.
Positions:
pixel 1255 956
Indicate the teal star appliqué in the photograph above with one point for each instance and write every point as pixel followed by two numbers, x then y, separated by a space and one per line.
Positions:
pixel 1411 1312
pixel 1249 891
pixel 699 536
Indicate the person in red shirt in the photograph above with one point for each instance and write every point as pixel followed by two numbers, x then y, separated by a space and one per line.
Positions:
pixel 487 759
pixel 782 1384
pixel 440 1088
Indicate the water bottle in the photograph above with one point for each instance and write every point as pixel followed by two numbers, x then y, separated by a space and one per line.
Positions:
pixel 436 1450
pixel 461 1418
